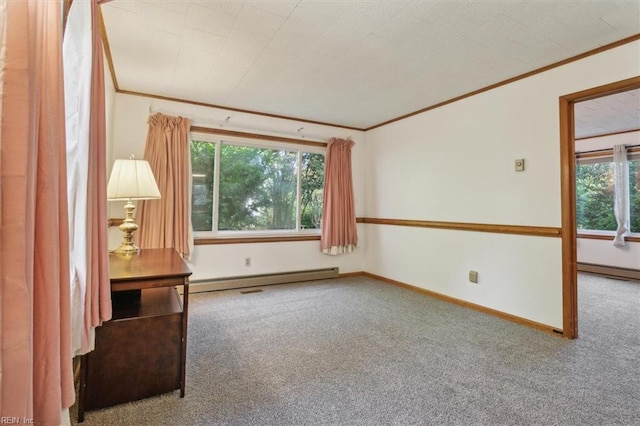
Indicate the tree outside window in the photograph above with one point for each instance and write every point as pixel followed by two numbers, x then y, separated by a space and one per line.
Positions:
pixel 634 194
pixel 258 188
pixel 202 169
pixel 595 195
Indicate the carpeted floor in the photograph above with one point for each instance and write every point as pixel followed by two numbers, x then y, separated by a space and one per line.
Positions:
pixel 356 351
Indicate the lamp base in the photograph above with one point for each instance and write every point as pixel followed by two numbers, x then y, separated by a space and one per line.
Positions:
pixel 127 249
pixel 128 227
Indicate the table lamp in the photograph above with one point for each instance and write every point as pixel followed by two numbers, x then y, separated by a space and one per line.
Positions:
pixel 131 180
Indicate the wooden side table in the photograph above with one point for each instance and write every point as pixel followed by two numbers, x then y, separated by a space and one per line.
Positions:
pixel 141 351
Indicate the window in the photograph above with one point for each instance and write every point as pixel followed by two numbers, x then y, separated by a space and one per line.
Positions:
pixel 594 196
pixel 595 192
pixel 241 186
pixel 634 193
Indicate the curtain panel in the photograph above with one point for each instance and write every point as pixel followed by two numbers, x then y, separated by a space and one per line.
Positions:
pixel 621 194
pixel 339 232
pixel 166 223
pixel 86 173
pixel 35 360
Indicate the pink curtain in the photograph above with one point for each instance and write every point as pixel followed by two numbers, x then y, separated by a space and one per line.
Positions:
pixel 166 223
pixel 339 234
pixel 35 364
pixel 98 287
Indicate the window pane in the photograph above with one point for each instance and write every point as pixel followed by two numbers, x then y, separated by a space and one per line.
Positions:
pixel 257 189
pixel 594 197
pixel 202 167
pixel 312 185
pixel 634 194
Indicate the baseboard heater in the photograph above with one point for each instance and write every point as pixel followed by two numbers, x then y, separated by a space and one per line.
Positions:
pixel 610 271
pixel 215 284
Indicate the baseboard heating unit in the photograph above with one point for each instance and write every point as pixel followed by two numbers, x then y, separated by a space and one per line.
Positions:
pixel 197 286
pixel 610 271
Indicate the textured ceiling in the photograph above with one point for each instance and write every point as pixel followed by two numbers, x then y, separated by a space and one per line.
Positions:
pixel 351 63
pixel 608 114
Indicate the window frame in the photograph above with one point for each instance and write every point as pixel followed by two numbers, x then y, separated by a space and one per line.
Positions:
pixel 603 156
pixel 267 143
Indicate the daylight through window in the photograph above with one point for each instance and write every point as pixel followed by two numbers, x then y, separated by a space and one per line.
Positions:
pixel 595 193
pixel 255 187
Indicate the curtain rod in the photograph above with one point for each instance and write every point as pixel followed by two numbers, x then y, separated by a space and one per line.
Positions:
pixel 225 132
pixel 207 125
pixel 606 152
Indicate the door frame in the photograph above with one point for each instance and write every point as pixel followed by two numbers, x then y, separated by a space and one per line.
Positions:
pixel 568 196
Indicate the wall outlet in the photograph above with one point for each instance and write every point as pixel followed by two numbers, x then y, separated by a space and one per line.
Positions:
pixel 520 165
pixel 247 261
pixel 473 276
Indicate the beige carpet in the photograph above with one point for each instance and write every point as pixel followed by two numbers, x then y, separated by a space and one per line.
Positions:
pixel 357 351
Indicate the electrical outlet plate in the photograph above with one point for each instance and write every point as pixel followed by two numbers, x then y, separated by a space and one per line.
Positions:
pixel 520 165
pixel 473 276
pixel 247 261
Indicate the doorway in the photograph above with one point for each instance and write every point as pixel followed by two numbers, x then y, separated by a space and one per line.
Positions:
pixel 568 196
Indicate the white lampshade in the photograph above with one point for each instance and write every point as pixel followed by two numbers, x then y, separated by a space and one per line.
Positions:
pixel 132 180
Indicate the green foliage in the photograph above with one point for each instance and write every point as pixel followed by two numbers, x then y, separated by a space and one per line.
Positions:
pixel 312 189
pixel 257 188
pixel 594 197
pixel 202 166
pixel 634 194
pixel 278 189
pixel 241 188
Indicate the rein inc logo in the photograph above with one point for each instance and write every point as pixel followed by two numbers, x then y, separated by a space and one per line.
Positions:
pixel 6 420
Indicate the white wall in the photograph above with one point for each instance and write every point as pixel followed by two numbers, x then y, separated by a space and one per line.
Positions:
pixel 603 252
pixel 605 142
pixel 456 163
pixel 110 101
pixel 227 260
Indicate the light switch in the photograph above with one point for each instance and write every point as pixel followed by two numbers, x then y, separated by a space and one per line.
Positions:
pixel 520 165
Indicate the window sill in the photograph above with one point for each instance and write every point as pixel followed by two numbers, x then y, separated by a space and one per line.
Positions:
pixel 202 241
pixel 601 236
pixel 252 239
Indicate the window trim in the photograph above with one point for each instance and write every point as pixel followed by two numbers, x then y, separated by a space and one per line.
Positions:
pixel 604 156
pixel 589 157
pixel 246 135
pixel 218 138
pixel 201 241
